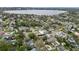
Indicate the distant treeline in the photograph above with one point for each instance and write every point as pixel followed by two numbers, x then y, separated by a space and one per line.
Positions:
pixel 40 8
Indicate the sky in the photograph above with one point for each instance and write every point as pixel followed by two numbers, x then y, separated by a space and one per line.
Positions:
pixel 39 3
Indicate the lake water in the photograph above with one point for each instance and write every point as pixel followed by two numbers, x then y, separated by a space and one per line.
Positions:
pixel 36 12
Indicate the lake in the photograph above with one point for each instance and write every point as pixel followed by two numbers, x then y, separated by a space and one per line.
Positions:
pixel 36 12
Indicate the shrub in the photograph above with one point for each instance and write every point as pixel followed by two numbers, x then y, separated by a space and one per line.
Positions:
pixel 32 35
